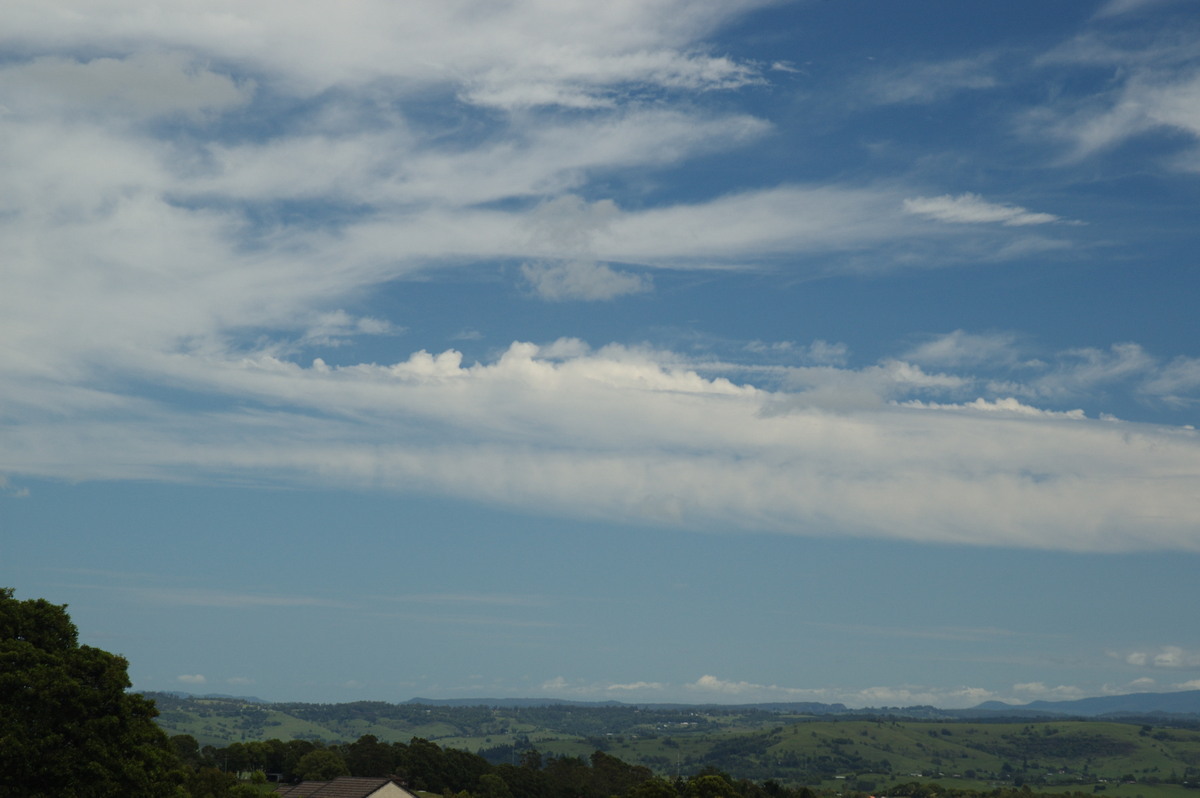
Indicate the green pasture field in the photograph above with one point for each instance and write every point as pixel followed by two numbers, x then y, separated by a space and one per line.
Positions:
pixel 849 755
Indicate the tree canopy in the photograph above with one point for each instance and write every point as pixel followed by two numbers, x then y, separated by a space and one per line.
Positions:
pixel 69 729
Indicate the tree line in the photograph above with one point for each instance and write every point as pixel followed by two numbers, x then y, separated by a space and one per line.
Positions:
pixel 427 767
pixel 70 728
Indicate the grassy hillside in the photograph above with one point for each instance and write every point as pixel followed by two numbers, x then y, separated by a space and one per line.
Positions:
pixel 1123 760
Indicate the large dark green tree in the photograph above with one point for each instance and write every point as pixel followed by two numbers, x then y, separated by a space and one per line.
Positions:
pixel 68 726
pixel 322 764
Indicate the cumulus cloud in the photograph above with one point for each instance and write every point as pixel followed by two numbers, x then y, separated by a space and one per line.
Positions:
pixel 950 697
pixel 1164 657
pixel 713 684
pixel 973 209
pixel 1039 691
pixel 191 678
pixel 745 692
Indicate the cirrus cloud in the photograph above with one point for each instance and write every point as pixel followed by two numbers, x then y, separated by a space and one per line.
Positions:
pixel 973 209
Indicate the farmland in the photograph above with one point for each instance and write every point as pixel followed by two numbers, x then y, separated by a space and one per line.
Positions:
pixel 836 752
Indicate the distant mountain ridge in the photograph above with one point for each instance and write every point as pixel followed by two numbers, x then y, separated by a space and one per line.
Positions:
pixel 823 745
pixel 248 699
pixel 1176 703
pixel 1186 702
pixel 510 702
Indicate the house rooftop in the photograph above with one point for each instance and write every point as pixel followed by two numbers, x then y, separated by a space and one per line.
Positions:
pixel 343 787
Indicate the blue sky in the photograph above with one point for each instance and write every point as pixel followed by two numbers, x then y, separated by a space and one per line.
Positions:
pixel 648 351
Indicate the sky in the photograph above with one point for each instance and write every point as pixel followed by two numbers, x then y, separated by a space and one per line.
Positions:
pixel 648 350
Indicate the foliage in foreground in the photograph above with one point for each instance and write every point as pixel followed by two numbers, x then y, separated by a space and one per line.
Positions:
pixel 68 726
pixel 428 768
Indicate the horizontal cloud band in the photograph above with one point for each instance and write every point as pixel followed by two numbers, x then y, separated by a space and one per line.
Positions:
pixel 631 436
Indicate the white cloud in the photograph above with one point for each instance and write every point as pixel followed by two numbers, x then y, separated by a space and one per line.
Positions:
pixel 825 353
pixel 191 678
pixel 1155 86
pixel 136 258
pixel 744 692
pixel 337 327
pixel 1079 371
pixel 582 280
pixel 962 348
pixel 571 52
pixel 1068 375
pixel 745 227
pixel 714 689
pixel 713 684
pixel 1165 657
pixel 1145 104
pixel 635 686
pixel 580 688
pixel 819 352
pixel 7 490
pixel 845 390
pixel 140 85
pixel 1006 405
pixel 973 209
pixel 948 697
pixel 1115 8
pixel 390 163
pixel 1174 657
pixel 1039 691
pixel 625 434
pixel 925 83
pixel 1177 383
pixel 581 80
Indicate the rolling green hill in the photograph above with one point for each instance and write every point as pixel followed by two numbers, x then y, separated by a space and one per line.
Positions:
pixel 850 752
